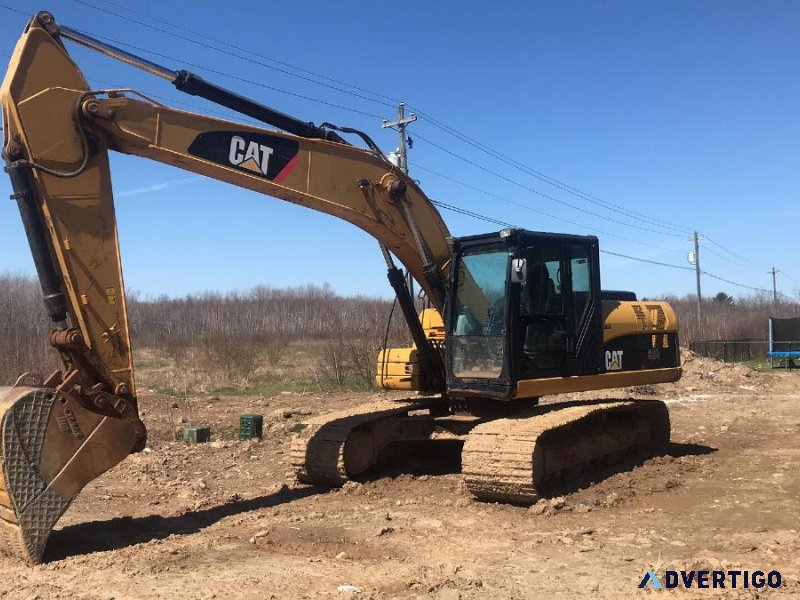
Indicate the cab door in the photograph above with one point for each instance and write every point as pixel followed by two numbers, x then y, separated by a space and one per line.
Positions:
pixel 584 305
pixel 478 329
pixel 557 327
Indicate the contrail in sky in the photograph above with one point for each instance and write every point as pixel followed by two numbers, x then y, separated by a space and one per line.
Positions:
pixel 157 186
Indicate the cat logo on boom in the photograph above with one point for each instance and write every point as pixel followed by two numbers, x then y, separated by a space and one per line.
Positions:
pixel 262 154
pixel 614 360
pixel 249 155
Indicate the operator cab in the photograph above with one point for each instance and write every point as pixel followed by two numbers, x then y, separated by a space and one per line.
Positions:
pixel 524 305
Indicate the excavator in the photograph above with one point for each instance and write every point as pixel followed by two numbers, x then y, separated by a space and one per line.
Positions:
pixel 512 316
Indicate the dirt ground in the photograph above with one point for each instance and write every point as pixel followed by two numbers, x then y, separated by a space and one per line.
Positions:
pixel 225 520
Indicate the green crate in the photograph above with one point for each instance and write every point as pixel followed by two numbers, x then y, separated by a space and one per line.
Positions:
pixel 251 426
pixel 197 434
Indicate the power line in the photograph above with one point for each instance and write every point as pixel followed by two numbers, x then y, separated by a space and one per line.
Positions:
pixel 645 260
pixel 728 259
pixel 732 253
pixel 535 191
pixel 741 285
pixel 16 10
pixel 481 217
pixel 439 146
pixel 442 204
pixel 789 277
pixel 250 51
pixel 341 87
pixel 618 254
pixel 750 261
pixel 449 207
pixel 338 87
pixel 746 266
pixel 536 210
pixel 469 213
pixel 455 154
pixel 246 57
pixel 231 76
pixel 547 179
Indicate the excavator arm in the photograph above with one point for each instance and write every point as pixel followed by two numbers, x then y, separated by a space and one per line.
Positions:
pixel 58 131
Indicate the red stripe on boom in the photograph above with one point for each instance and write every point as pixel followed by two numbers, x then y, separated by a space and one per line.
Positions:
pixel 286 170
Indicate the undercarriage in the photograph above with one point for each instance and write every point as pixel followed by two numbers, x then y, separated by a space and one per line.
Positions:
pixel 514 453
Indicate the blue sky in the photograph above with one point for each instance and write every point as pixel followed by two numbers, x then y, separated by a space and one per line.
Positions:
pixel 684 112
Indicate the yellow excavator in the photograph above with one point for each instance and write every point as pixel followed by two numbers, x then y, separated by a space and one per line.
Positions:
pixel 514 315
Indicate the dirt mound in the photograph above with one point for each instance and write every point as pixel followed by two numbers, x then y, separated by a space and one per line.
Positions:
pixel 707 374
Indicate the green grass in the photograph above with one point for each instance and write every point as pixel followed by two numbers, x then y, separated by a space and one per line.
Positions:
pixel 272 388
pixel 295 373
pixel 757 364
pixel 764 365
pixel 151 363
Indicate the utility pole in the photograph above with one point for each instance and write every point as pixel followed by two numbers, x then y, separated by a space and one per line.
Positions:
pixel 697 273
pixel 774 290
pixel 401 123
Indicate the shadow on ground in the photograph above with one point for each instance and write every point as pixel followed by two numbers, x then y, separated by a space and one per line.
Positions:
pixel 676 449
pixel 114 534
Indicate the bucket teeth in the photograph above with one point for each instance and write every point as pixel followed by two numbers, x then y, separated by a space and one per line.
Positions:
pixel 50 447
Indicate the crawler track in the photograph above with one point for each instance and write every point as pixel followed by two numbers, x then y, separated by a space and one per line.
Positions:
pixel 522 458
pixel 336 446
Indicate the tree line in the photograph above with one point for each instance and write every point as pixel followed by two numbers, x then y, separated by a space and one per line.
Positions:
pixel 724 317
pixel 235 331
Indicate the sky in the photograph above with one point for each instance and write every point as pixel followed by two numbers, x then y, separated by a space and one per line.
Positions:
pixel 636 121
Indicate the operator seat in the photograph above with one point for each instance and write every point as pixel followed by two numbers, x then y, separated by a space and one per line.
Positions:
pixel 545 342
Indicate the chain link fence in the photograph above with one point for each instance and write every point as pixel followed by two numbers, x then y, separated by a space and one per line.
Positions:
pixel 787 354
pixel 731 350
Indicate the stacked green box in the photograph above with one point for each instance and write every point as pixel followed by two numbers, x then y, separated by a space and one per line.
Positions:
pixel 251 426
pixel 197 434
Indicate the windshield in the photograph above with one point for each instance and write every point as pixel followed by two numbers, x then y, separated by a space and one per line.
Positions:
pixel 479 322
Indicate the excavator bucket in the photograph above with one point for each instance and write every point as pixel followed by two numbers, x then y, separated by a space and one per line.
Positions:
pixel 51 444
pixel 50 448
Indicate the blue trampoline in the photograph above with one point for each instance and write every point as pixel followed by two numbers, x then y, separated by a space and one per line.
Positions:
pixel 784 339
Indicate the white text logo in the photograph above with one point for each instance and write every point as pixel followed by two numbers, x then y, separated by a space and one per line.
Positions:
pixel 249 155
pixel 614 360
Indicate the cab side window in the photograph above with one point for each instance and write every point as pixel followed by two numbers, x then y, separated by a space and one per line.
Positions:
pixel 544 345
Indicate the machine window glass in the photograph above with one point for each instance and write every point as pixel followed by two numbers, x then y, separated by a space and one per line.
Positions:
pixel 479 323
pixel 544 337
pixel 542 292
pixel 581 286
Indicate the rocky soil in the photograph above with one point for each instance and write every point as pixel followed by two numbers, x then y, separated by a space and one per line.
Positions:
pixel 225 519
